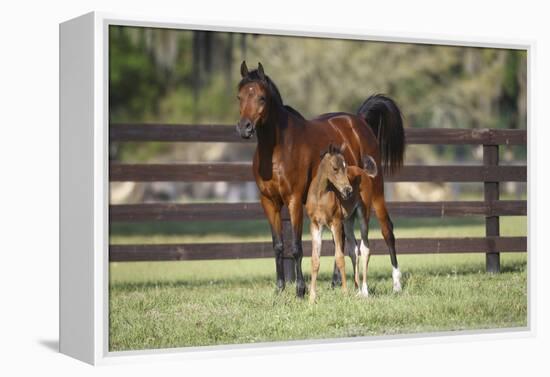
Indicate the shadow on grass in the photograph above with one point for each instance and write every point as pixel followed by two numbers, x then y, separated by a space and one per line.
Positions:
pixel 265 280
pixel 259 228
pixel 234 282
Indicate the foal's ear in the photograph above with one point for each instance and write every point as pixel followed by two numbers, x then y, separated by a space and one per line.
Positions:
pixel 325 151
pixel 244 69
pixel 343 148
pixel 369 166
pixel 261 71
pixel 330 149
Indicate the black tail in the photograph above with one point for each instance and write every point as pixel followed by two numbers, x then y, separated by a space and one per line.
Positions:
pixel 384 117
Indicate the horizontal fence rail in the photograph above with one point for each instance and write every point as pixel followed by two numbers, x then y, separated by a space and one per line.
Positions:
pixel 254 211
pixel 206 251
pixel 228 134
pixel 242 172
pixel 490 174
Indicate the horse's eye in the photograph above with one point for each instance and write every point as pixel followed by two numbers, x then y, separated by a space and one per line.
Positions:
pixel 262 99
pixel 335 169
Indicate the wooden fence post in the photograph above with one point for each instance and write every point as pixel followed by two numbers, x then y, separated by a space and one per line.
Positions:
pixel 492 223
pixel 288 262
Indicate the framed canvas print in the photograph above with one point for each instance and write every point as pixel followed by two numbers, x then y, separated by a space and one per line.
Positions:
pixel 237 190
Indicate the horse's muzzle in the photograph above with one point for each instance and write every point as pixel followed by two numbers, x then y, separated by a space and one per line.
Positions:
pixel 245 128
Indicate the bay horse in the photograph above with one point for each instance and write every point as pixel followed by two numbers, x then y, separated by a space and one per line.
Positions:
pixel 287 157
pixel 336 194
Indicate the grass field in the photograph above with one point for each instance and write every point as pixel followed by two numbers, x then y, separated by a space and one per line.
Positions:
pixel 195 303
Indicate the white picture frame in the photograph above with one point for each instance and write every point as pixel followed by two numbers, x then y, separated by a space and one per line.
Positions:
pixel 84 193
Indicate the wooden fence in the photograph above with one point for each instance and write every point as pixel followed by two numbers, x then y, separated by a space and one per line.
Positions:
pixel 490 173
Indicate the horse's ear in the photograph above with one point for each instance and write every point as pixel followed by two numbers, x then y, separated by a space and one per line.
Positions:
pixel 261 71
pixel 244 69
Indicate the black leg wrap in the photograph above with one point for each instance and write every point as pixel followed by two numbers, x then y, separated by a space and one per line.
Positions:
pixel 336 277
pixel 279 249
pixel 300 283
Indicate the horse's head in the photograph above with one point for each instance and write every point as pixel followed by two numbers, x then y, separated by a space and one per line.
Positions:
pixel 254 97
pixel 333 165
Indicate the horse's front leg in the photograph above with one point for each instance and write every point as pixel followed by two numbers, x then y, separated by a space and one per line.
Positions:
pixel 364 214
pixel 337 229
pixel 350 247
pixel 273 213
pixel 316 242
pixel 386 226
pixel 352 250
pixel 296 211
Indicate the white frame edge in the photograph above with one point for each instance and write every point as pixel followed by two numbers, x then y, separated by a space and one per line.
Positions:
pixel 76 193
pixel 84 188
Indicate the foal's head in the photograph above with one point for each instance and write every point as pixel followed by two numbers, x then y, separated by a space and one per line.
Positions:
pixel 333 166
pixel 256 93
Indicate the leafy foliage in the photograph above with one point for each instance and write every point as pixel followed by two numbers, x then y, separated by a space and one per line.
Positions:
pixel 174 76
pixel 180 76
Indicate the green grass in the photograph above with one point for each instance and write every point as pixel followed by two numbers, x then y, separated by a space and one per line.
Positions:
pixel 250 231
pixel 175 304
pixel 197 303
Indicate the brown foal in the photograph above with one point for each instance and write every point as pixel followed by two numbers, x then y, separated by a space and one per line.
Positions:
pixel 337 193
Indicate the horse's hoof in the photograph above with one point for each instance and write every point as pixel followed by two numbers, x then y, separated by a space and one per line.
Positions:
pixel 364 291
pixel 300 291
pixel 335 283
pixel 280 286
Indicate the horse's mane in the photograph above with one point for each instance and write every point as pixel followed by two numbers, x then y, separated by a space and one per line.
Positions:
pixel 292 110
pixel 269 85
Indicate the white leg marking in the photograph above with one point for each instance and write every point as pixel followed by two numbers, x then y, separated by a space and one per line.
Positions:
pixel 364 262
pixel 396 275
pixel 364 290
pixel 364 249
pixel 358 265
pixel 317 238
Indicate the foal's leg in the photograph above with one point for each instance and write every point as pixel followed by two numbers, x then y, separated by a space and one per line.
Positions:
pixel 316 242
pixel 350 249
pixel 387 229
pixel 296 210
pixel 273 213
pixel 338 235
